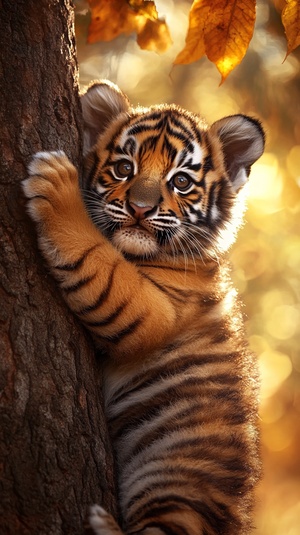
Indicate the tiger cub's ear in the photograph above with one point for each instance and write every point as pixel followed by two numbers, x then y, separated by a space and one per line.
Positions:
pixel 101 103
pixel 243 142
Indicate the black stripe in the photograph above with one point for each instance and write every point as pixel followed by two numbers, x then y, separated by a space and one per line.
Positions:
pixel 135 416
pixel 207 164
pixel 102 297
pixel 157 120
pixel 130 146
pixel 160 370
pixel 160 485
pixel 216 515
pixel 109 319
pixel 121 427
pixel 232 442
pixel 77 263
pixel 187 419
pixel 195 167
pixel 175 119
pixel 179 135
pixel 194 474
pixel 171 268
pixel 111 144
pixel 176 367
pixel 138 129
pixel 159 509
pixel 39 196
pixel 141 377
pixel 147 146
pixel 209 447
pixel 161 505
pixel 170 149
pixel 120 335
pixel 91 175
pixel 78 285
pixel 172 292
pixel 212 198
pixel 219 386
pixel 183 157
pixel 159 286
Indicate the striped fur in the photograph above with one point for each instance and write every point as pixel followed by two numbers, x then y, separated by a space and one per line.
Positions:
pixel 141 263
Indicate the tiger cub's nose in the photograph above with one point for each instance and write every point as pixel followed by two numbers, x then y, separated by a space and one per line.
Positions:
pixel 139 212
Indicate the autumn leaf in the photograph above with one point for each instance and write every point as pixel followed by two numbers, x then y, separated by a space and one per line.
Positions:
pixel 291 22
pixel 195 47
pixel 154 36
pixel 228 33
pixel 221 29
pixel 110 18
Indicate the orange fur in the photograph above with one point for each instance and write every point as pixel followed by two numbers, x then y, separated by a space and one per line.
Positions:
pixel 142 265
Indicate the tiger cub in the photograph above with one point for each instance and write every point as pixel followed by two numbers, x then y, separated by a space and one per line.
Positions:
pixel 141 262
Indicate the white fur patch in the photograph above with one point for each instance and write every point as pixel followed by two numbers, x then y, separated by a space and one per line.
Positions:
pixel 214 212
pixel 240 179
pixel 134 241
pixel 97 517
pixel 34 165
pixel 102 522
pixel 100 189
pixel 198 153
pixel 193 218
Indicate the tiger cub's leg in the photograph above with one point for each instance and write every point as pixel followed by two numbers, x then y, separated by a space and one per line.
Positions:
pixel 88 267
pixel 54 202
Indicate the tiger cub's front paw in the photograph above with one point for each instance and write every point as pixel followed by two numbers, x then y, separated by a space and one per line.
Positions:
pixel 52 187
pixel 102 523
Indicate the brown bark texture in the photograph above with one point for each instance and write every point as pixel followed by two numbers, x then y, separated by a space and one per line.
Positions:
pixel 55 455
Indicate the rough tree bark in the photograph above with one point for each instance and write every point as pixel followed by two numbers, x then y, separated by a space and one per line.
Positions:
pixel 55 454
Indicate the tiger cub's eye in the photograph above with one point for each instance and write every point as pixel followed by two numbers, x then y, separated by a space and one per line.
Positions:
pixel 123 168
pixel 181 182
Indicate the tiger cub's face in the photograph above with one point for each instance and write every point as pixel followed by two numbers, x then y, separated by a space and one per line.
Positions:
pixel 157 180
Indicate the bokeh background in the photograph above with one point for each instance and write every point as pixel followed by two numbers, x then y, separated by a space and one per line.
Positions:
pixel 266 257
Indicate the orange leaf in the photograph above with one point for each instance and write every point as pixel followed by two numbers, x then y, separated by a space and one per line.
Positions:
pixel 291 21
pixel 228 33
pixel 110 18
pixel 222 29
pixel 194 42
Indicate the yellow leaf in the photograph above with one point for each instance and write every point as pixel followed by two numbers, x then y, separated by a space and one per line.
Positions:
pixel 222 29
pixel 194 43
pixel 228 33
pixel 291 21
pixel 110 18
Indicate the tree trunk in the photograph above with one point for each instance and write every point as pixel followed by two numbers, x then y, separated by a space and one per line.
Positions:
pixel 55 453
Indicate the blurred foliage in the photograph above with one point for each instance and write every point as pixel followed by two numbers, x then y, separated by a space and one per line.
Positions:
pixel 266 257
pixel 110 19
pixel 219 29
